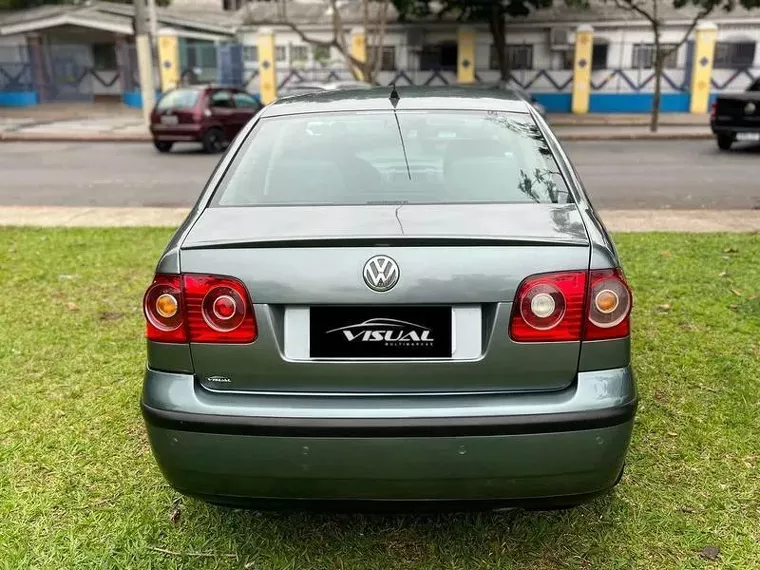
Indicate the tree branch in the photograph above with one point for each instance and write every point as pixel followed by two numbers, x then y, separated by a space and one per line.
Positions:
pixel 301 33
pixel 631 6
pixel 700 15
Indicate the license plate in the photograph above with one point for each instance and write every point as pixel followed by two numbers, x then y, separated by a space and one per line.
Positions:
pixel 748 137
pixel 380 332
pixel 169 120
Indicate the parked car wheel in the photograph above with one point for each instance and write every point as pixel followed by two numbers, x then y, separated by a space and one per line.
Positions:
pixel 163 146
pixel 213 141
pixel 725 141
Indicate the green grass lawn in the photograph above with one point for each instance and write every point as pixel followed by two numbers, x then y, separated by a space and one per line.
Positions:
pixel 79 488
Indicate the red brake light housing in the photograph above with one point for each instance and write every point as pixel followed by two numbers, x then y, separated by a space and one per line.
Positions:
pixel 209 309
pixel 549 308
pixel 572 306
pixel 713 110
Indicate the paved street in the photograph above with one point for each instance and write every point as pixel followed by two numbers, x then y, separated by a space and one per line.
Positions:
pixel 619 174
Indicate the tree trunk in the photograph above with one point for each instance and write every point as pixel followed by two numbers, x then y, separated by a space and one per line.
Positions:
pixel 659 61
pixel 497 25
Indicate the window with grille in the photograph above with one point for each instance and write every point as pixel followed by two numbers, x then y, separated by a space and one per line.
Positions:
pixel 103 57
pixel 734 55
pixel 299 53
pixel 281 53
pixel 321 54
pixel 643 56
pixel 439 57
pixel 387 55
pixel 519 56
pixel 250 53
pixel 599 56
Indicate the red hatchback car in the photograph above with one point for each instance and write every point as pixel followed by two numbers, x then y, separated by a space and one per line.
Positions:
pixel 211 116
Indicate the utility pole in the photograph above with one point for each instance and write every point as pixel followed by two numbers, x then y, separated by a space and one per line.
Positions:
pixel 144 61
pixel 153 22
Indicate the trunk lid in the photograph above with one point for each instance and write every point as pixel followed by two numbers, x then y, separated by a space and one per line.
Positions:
pixel 466 260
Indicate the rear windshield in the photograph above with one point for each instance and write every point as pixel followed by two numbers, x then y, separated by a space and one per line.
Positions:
pixel 179 99
pixel 393 158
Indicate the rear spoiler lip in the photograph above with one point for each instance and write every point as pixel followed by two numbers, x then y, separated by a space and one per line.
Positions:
pixel 386 241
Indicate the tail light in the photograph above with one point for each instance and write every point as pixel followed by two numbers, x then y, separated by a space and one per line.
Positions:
pixel 713 109
pixel 202 308
pixel 609 306
pixel 162 305
pixel 549 308
pixel 570 306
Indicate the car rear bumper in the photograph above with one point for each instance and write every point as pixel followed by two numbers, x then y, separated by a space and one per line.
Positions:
pixel 732 129
pixel 177 133
pixel 493 448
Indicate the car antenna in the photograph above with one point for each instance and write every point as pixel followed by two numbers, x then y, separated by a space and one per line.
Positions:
pixel 394 96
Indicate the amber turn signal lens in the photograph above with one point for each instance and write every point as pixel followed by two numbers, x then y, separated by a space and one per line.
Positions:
pixel 166 305
pixel 606 301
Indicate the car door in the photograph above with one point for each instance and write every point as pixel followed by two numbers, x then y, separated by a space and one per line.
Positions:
pixel 223 110
pixel 245 108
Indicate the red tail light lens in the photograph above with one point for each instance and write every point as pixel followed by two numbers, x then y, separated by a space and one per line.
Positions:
pixel 609 306
pixel 218 310
pixel 162 305
pixel 549 308
pixel 571 306
pixel 713 109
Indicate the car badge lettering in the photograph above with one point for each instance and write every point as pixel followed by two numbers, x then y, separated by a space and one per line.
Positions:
pixel 219 379
pixel 391 332
pixel 381 273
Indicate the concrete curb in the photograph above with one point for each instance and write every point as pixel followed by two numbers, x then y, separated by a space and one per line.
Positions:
pixel 616 220
pixel 73 137
pixel 131 138
pixel 633 136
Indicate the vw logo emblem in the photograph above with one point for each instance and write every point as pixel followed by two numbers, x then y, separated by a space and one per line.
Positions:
pixel 381 273
pixel 750 108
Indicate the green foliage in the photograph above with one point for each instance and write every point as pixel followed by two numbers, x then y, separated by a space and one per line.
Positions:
pixel 469 10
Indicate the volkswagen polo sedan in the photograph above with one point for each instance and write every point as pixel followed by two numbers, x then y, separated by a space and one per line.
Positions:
pixel 391 296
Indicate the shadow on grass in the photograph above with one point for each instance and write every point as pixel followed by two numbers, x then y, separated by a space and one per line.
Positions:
pixel 512 538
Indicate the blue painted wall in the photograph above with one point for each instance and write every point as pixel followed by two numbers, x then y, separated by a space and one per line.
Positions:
pixel 554 102
pixel 134 99
pixel 18 99
pixel 637 103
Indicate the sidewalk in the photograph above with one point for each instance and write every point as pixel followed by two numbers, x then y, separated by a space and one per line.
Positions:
pixel 616 220
pixel 116 123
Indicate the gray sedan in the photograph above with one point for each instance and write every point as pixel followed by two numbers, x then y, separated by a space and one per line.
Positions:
pixel 391 296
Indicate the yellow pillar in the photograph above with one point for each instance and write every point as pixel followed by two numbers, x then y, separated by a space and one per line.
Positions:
pixel 267 66
pixel 584 44
pixel 466 57
pixel 168 57
pixel 359 49
pixel 702 66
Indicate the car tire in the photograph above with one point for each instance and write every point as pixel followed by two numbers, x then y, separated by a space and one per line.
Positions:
pixel 163 146
pixel 725 141
pixel 213 141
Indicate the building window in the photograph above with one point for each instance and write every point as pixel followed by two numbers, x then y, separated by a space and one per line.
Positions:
pixel 250 53
pixel 322 54
pixel 519 56
pixel 387 55
pixel 281 53
pixel 598 57
pixel 734 55
pixel 103 57
pixel 643 56
pixel 439 57
pixel 299 53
